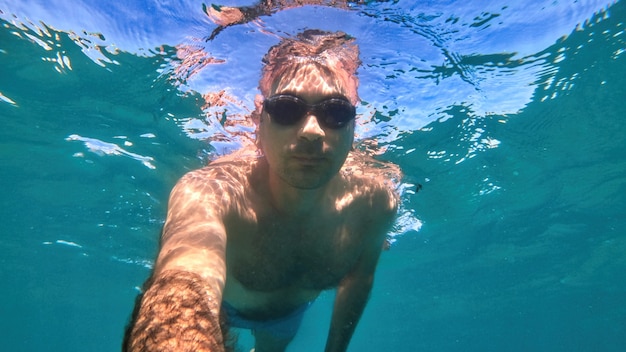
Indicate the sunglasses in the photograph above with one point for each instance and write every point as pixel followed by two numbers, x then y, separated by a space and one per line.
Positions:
pixel 287 110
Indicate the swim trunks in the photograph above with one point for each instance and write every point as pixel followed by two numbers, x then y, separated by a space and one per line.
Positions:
pixel 284 328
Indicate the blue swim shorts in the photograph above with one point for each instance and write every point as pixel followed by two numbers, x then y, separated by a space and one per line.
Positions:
pixel 284 328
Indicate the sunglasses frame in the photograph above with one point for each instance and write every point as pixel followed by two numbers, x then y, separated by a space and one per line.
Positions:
pixel 320 110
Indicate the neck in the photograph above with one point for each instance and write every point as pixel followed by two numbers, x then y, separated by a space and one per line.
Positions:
pixel 293 201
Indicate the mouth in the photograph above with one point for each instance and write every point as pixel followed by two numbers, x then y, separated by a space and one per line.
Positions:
pixel 309 159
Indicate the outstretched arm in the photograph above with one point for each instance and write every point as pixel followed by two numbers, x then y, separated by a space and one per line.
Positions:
pixel 179 310
pixel 175 314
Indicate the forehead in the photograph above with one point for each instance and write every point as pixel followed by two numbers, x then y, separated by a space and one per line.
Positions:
pixel 313 80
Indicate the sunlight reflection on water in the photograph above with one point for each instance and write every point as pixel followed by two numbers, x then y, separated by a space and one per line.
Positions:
pixel 421 63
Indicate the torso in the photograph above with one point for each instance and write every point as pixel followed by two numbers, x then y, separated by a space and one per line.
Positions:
pixel 276 263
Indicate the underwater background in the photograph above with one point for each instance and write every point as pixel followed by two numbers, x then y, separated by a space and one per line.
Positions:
pixel 506 117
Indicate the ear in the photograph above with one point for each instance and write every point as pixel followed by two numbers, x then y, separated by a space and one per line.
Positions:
pixel 257 117
pixel 258 109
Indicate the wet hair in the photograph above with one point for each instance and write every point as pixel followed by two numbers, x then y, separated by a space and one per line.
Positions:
pixel 334 54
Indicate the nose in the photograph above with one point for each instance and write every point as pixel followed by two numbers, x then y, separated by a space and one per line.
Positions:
pixel 311 129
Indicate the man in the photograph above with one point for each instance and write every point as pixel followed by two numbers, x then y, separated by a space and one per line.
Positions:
pixel 256 236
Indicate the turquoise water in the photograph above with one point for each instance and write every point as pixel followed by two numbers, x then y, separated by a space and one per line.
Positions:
pixel 510 115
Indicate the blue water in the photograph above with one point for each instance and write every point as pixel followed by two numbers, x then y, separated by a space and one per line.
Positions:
pixel 509 114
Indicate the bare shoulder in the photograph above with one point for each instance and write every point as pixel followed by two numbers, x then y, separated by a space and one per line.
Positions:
pixel 374 184
pixel 232 168
pixel 219 183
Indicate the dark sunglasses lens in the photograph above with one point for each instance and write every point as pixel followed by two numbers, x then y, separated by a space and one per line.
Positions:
pixel 337 113
pixel 288 110
pixel 285 110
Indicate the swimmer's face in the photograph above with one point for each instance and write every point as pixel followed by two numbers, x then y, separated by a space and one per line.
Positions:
pixel 307 154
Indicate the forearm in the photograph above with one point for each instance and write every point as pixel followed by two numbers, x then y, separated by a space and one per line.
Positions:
pixel 349 305
pixel 176 313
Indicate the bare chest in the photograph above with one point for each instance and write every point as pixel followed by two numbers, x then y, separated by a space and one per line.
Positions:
pixel 272 254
